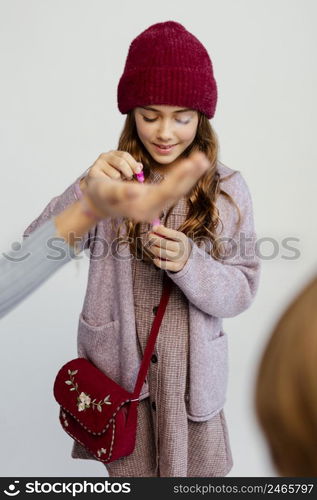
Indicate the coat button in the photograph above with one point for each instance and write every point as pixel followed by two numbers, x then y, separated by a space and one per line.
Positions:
pixel 153 405
pixel 154 358
pixel 155 309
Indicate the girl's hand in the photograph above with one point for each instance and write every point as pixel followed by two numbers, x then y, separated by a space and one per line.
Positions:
pixel 171 248
pixel 117 165
pixel 144 201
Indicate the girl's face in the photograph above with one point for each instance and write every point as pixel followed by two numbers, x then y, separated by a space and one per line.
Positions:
pixel 165 126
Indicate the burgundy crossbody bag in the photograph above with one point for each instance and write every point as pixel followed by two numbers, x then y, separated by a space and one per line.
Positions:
pixel 97 412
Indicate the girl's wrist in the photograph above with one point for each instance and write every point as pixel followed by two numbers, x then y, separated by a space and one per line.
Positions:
pixel 77 219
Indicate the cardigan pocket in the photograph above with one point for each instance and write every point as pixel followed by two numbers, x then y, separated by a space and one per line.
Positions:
pixel 208 380
pixel 100 345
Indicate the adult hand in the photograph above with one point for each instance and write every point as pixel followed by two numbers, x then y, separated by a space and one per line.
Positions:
pixel 144 202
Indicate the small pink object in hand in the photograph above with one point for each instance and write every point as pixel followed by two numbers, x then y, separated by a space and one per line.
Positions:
pixel 140 178
pixel 156 222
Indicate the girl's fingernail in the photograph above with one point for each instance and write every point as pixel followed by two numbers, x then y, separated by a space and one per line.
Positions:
pixel 155 222
pixel 139 168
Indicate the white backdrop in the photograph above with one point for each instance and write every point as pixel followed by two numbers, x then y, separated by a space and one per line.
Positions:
pixel 60 64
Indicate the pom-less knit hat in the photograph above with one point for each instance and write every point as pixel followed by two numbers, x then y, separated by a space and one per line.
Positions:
pixel 167 65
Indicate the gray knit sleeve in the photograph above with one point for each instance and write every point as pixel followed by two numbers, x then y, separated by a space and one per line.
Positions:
pixel 29 264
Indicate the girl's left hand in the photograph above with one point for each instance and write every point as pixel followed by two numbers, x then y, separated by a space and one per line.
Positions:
pixel 171 248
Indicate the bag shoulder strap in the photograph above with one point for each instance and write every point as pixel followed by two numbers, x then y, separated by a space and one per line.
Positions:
pixel 167 285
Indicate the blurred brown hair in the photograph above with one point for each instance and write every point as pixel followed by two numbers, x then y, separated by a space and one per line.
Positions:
pixel 286 387
pixel 203 215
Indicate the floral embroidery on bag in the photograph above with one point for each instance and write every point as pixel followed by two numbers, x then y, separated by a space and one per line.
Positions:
pixel 84 400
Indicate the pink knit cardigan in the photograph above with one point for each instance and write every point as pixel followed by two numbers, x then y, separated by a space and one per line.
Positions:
pixel 215 290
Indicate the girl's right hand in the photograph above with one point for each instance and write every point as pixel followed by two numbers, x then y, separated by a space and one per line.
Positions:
pixel 143 202
pixel 118 165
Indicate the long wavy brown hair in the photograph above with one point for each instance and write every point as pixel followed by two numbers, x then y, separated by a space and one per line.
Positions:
pixel 286 387
pixel 203 215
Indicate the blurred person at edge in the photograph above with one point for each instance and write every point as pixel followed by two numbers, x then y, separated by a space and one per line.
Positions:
pixel 286 387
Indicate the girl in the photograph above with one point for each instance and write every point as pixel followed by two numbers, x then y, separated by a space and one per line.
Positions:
pixel 205 243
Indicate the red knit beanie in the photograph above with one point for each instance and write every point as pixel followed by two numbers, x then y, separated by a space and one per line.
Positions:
pixel 167 65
